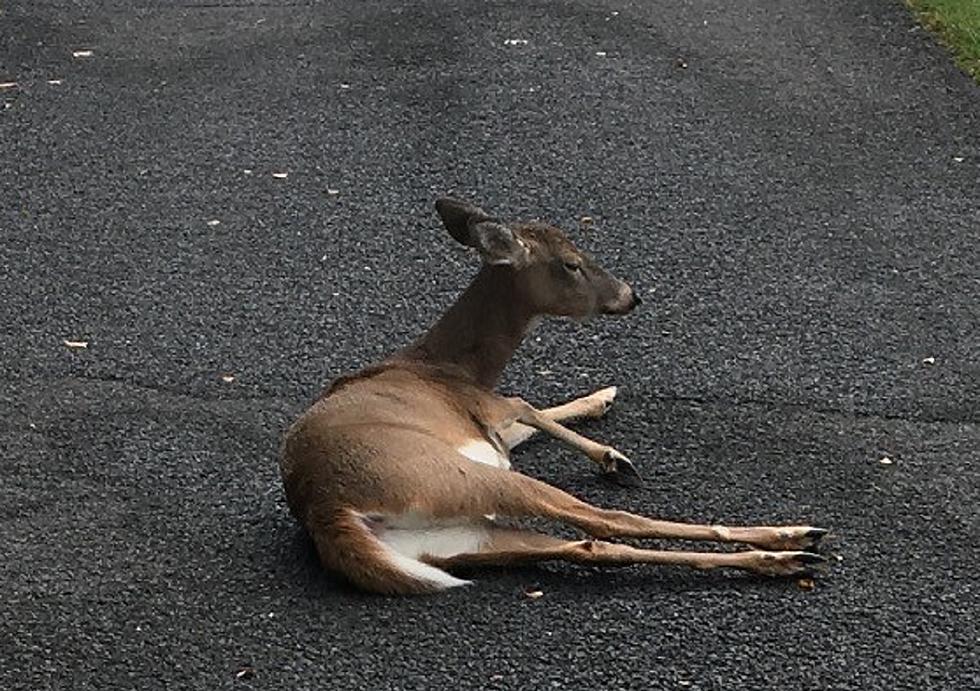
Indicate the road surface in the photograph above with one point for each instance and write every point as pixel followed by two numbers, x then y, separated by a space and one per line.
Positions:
pixel 230 203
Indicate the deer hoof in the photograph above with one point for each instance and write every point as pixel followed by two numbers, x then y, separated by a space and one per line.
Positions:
pixel 795 537
pixel 811 558
pixel 815 535
pixel 810 563
pixel 790 563
pixel 621 470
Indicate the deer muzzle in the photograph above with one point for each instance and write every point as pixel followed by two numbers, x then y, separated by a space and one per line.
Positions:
pixel 625 301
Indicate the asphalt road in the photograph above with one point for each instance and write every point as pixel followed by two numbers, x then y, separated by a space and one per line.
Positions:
pixel 793 187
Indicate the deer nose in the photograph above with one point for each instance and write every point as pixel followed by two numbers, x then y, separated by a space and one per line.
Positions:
pixel 631 298
pixel 624 301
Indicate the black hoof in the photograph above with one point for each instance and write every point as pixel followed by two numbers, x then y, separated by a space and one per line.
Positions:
pixel 811 560
pixel 622 471
pixel 815 535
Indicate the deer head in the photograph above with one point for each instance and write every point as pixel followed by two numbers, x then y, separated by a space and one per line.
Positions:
pixel 552 275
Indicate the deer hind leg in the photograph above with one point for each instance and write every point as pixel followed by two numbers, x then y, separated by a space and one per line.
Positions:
pixel 595 405
pixel 518 495
pixel 509 547
pixel 393 534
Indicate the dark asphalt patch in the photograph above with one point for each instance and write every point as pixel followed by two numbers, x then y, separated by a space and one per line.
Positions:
pixel 790 205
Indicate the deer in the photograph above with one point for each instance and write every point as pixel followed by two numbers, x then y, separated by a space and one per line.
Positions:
pixel 401 472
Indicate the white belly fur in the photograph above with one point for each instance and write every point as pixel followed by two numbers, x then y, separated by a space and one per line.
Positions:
pixel 482 451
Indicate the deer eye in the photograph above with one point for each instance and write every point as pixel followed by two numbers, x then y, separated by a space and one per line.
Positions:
pixel 573 266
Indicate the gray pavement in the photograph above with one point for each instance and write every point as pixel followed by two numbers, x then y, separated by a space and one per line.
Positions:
pixel 793 187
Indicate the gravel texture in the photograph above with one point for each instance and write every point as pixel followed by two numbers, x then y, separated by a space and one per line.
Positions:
pixel 794 188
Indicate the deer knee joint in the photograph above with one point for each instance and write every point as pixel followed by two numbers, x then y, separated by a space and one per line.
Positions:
pixel 722 533
pixel 525 412
pixel 601 529
pixel 584 551
pixel 519 407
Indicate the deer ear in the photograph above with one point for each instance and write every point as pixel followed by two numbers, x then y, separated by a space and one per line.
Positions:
pixel 498 244
pixel 459 217
pixel 474 227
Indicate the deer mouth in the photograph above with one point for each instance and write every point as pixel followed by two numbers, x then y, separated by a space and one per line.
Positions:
pixel 625 303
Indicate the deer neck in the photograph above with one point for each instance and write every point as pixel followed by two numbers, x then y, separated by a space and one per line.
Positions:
pixel 480 332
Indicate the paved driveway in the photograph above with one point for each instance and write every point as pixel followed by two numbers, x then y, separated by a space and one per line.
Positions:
pixel 792 186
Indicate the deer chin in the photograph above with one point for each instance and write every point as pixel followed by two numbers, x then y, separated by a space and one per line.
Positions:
pixel 618 310
pixel 611 310
pixel 533 324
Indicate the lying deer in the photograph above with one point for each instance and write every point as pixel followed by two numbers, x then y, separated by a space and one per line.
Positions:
pixel 401 472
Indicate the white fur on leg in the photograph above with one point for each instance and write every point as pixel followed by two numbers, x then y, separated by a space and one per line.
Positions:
pixel 483 451
pixel 517 434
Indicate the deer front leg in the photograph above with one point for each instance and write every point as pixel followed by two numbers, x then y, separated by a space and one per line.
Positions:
pixel 614 465
pixel 593 406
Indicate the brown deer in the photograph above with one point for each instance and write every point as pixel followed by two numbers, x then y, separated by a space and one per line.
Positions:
pixel 401 472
